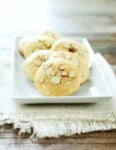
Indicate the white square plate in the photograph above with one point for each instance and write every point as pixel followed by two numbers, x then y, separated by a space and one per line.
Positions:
pixel 24 91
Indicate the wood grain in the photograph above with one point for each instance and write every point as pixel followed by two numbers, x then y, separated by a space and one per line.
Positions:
pixel 9 139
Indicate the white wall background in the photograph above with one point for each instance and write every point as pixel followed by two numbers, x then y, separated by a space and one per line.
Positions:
pixel 18 16
pixel 94 19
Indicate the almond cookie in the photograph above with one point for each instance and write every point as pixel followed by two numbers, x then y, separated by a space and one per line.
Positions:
pixel 38 43
pixel 57 77
pixel 84 73
pixel 73 47
pixel 74 58
pixel 34 61
pixel 51 34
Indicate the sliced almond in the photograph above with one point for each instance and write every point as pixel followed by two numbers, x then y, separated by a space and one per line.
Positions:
pixel 64 73
pixel 52 72
pixel 72 74
pixel 61 67
pixel 55 80
pixel 41 80
pixel 49 72
pixel 58 73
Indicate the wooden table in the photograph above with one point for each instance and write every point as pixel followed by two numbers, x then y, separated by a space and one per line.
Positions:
pixel 93 19
pixel 9 140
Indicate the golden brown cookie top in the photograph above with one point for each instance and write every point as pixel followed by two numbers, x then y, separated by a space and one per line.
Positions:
pixel 73 57
pixel 34 61
pixel 27 47
pixel 51 34
pixel 68 45
pixel 56 69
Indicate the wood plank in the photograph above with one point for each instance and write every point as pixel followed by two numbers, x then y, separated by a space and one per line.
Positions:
pixel 14 133
pixel 12 137
pixel 59 147
pixel 71 140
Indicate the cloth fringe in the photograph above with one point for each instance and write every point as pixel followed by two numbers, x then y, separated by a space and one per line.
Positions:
pixel 95 116
pixel 40 127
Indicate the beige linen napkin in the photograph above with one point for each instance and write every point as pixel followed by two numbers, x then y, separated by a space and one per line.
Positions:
pixel 56 120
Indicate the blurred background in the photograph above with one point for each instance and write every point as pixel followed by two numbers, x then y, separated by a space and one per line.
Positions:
pixel 93 19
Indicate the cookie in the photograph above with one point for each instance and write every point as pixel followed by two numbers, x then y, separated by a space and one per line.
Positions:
pixel 52 34
pixel 57 77
pixel 38 43
pixel 84 73
pixel 73 47
pixel 74 58
pixel 34 61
